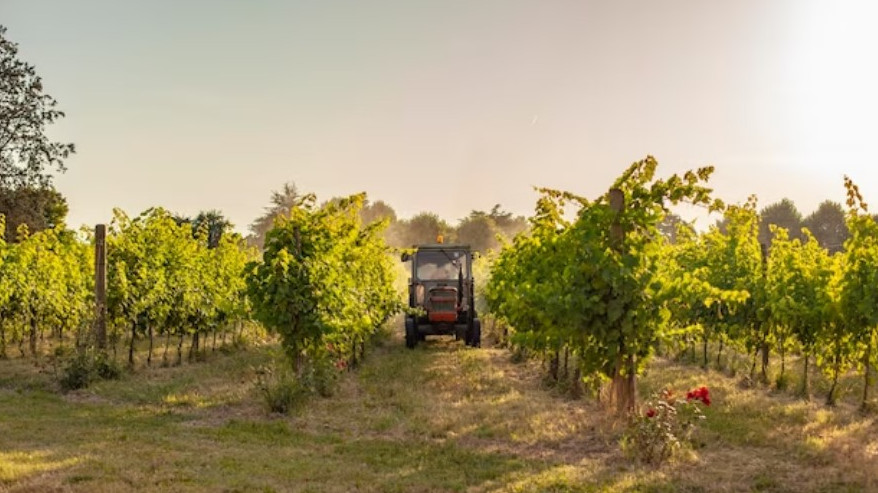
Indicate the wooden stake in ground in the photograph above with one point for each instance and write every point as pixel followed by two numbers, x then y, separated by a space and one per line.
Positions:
pixel 624 385
pixel 101 286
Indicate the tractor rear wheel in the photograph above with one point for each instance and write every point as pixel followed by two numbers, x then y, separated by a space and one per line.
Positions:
pixel 476 339
pixel 411 333
pixel 460 333
pixel 473 336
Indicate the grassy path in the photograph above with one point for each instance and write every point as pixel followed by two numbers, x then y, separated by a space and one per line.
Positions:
pixel 439 418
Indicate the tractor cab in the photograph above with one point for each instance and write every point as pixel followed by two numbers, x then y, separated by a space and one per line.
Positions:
pixel 441 285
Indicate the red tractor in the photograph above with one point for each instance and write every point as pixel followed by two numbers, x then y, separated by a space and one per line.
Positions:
pixel 442 286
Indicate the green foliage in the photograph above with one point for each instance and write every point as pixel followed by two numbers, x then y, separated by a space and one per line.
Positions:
pixel 713 279
pixel 664 426
pixel 281 390
pixel 325 283
pixel 575 284
pixel 800 293
pixel 859 285
pixel 793 296
pixel 45 285
pixel 38 207
pixel 735 264
pixel 86 366
pixel 162 281
pixel 483 268
pixel 27 156
pixel 165 281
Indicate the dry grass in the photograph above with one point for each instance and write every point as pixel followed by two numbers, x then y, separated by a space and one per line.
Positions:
pixel 763 440
pixel 440 418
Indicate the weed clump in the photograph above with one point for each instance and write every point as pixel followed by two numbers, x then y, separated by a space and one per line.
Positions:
pixel 284 389
pixel 86 366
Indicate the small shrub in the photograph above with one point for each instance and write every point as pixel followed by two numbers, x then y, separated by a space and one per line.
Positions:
pixel 747 382
pixel 77 373
pixel 383 336
pixel 782 382
pixel 519 354
pixel 62 352
pixel 280 388
pixel 106 367
pixel 86 366
pixel 495 331
pixel 664 426
pixel 284 391
pixel 241 341
pixel 592 384
pixel 320 375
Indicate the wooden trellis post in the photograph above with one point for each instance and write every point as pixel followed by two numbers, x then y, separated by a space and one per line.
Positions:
pixel 101 286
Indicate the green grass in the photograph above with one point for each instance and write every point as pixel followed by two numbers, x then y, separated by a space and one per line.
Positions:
pixel 439 418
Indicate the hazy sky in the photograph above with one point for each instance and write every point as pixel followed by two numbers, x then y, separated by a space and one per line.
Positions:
pixel 446 105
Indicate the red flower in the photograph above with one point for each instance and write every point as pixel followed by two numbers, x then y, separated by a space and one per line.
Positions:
pixel 341 364
pixel 700 394
pixel 650 413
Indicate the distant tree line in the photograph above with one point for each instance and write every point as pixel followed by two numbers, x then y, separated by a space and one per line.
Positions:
pixel 826 223
pixel 482 230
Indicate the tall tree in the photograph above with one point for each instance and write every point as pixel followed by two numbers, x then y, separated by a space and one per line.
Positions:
pixel 215 225
pixel 783 214
pixel 376 211
pixel 422 228
pixel 281 203
pixel 27 155
pixel 828 226
pixel 507 223
pixel 39 208
pixel 479 231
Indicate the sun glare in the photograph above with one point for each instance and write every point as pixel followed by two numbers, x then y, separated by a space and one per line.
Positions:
pixel 834 82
